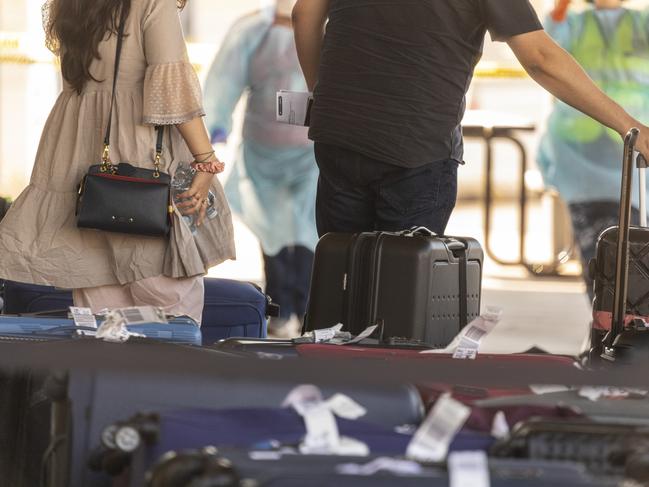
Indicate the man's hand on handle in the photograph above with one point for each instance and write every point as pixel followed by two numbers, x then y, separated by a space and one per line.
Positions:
pixel 642 145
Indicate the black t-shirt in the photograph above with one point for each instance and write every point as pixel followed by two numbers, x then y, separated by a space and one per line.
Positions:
pixel 394 73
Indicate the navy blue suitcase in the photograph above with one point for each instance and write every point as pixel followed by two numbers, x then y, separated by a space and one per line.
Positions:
pixel 263 429
pixel 233 309
pixel 21 298
pixel 179 330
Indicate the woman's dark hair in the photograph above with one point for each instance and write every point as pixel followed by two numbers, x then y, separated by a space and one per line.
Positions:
pixel 74 29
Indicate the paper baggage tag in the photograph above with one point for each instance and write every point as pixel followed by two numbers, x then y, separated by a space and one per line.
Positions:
pixel 466 353
pixel 500 426
pixel 142 315
pixel 345 407
pixel 113 328
pixel 83 317
pixel 365 334
pixel 466 344
pixel 540 389
pixel 434 436
pixel 381 464
pixel 322 436
pixel 469 469
pixel 327 334
pixel 301 395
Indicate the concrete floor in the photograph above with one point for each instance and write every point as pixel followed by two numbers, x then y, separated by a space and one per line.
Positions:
pixel 551 313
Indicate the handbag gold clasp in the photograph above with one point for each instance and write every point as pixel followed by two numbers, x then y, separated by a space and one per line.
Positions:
pixel 106 165
pixel 158 157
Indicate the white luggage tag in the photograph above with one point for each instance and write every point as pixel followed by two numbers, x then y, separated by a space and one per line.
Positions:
pixel 326 334
pixel 114 327
pixel 365 334
pixel 467 343
pixel 469 469
pixel 395 466
pixel 84 318
pixel 139 315
pixel 322 434
pixel 434 436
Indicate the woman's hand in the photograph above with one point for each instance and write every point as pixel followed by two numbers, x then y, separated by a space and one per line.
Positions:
pixel 195 200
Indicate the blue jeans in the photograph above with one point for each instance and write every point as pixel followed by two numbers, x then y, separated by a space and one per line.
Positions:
pixel 359 194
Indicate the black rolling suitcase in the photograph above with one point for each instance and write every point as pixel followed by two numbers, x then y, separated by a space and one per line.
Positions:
pixel 621 268
pixel 415 285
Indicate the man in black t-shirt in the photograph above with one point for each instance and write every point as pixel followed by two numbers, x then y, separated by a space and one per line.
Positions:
pixel 389 80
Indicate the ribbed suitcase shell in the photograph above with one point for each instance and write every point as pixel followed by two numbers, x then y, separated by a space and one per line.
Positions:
pixel 409 283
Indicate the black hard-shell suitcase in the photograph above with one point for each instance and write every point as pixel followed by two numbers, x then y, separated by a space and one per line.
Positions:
pixel 621 268
pixel 414 284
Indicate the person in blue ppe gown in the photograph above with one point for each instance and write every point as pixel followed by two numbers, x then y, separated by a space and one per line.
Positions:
pixel 577 155
pixel 273 183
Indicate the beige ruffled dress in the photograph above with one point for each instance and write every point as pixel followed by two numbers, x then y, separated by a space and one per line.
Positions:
pixel 39 240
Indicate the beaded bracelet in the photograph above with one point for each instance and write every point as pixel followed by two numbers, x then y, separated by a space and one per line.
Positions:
pixel 205 165
pixel 213 167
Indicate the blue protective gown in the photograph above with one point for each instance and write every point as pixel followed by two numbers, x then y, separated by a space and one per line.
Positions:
pixel 577 155
pixel 273 183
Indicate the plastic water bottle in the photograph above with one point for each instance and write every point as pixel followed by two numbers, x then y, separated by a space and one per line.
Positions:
pixel 181 183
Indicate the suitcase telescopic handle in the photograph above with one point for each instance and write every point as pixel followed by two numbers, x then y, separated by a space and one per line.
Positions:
pixel 622 250
pixel 641 163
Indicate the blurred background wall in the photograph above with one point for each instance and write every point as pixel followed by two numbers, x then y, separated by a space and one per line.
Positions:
pixel 29 81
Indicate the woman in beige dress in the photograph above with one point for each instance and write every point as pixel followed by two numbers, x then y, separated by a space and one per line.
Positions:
pixel 39 240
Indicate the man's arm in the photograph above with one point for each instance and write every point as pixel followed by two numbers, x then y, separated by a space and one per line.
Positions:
pixel 309 19
pixel 556 71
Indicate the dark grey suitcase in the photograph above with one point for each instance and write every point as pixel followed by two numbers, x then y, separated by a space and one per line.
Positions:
pixel 414 284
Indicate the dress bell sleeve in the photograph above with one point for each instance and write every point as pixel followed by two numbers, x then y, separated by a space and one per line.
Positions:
pixel 172 92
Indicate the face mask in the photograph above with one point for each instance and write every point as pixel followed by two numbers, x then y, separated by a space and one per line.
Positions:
pixel 285 7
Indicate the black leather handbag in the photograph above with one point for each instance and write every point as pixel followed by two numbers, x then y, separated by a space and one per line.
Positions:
pixel 121 197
